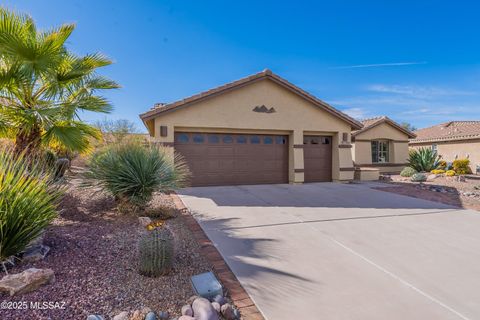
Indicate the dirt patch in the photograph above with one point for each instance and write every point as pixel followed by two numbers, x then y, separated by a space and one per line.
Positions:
pixel 93 254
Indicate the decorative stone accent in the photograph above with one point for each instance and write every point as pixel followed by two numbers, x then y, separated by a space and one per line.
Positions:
pixel 187 310
pixel 35 253
pixel 121 316
pixel 140 314
pixel 95 317
pixel 203 310
pixel 26 281
pixel 144 221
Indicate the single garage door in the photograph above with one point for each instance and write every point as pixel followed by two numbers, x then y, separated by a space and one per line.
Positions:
pixel 317 154
pixel 234 159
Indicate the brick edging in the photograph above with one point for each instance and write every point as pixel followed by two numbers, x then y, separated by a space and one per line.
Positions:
pixel 237 293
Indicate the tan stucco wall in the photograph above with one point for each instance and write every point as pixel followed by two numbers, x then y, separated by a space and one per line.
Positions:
pixel 232 111
pixel 457 149
pixel 398 147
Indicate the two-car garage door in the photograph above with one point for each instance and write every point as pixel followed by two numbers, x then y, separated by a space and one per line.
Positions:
pixel 236 159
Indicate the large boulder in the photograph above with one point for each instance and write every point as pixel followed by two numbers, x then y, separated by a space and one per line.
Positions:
pixel 26 281
pixel 203 310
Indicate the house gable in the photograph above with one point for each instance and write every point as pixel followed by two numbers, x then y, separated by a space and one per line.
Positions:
pixel 241 109
pixel 258 99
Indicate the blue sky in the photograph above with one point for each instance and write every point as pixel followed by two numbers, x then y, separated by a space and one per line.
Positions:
pixel 414 61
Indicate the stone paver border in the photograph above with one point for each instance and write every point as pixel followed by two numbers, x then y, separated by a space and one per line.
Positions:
pixel 235 291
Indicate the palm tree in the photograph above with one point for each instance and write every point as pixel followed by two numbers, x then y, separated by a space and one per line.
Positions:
pixel 43 86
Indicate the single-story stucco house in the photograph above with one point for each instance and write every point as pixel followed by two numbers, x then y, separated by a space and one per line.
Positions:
pixel 381 146
pixel 452 140
pixel 263 129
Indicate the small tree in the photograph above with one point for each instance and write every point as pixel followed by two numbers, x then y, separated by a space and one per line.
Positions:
pixel 408 126
pixel 44 86
pixel 115 131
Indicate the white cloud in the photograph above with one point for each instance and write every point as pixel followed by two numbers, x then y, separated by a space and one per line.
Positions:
pixel 378 65
pixel 357 113
pixel 422 92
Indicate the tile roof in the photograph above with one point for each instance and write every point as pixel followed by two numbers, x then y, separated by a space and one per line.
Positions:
pixel 265 74
pixel 373 122
pixel 449 131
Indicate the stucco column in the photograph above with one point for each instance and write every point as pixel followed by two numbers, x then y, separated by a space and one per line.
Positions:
pixel 344 171
pixel 296 166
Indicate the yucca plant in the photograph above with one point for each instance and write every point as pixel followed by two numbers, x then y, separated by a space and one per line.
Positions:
pixel 28 203
pixel 423 159
pixel 133 172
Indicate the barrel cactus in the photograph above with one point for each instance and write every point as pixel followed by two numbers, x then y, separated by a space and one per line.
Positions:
pixel 156 252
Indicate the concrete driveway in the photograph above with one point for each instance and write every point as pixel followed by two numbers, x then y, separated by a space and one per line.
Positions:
pixel 344 251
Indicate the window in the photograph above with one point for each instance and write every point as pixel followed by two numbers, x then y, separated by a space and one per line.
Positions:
pixel 227 139
pixel 213 138
pixel 241 139
pixel 255 139
pixel 380 151
pixel 268 140
pixel 280 140
pixel 325 140
pixel 434 148
pixel 182 138
pixel 198 138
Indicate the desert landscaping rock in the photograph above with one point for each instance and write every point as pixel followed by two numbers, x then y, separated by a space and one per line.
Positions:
pixel 95 317
pixel 187 310
pixel 35 253
pixel 151 316
pixel 220 299
pixel 121 316
pixel 140 314
pixel 26 281
pixel 191 299
pixel 163 315
pixel 227 312
pixel 91 254
pixel 144 221
pixel 216 306
pixel 186 318
pixel 203 310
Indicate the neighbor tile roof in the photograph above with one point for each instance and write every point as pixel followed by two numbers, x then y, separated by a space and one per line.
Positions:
pixel 449 131
pixel 162 107
pixel 373 122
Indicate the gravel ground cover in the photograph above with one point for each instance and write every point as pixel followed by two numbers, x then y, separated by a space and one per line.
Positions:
pixel 448 190
pixel 93 254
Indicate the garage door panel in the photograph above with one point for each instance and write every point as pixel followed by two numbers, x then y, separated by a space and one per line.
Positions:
pixel 226 159
pixel 317 153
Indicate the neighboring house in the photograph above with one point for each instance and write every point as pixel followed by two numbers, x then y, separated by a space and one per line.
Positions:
pixel 452 140
pixel 260 129
pixel 382 144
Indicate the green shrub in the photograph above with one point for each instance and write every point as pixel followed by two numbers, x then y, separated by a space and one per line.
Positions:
pixel 408 172
pixel 132 173
pixel 27 203
pixel 155 252
pixel 462 166
pixel 423 159
pixel 419 177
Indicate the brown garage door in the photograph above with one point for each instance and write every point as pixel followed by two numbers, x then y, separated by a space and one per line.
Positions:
pixel 234 159
pixel 317 154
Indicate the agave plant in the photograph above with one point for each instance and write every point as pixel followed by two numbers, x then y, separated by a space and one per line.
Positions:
pixel 43 86
pixel 27 203
pixel 132 173
pixel 423 159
